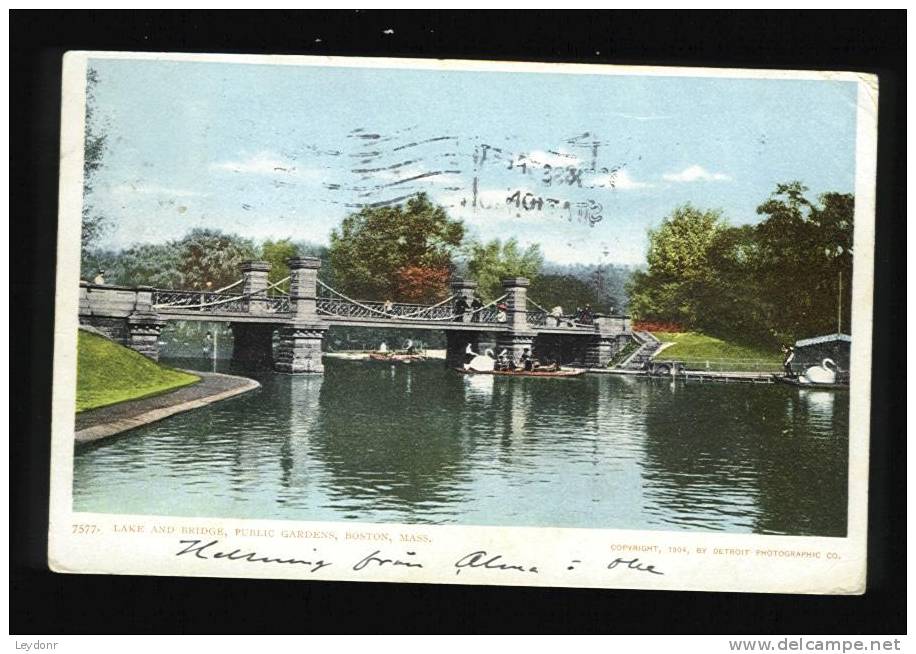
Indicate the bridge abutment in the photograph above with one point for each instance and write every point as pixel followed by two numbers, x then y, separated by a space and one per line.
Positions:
pixel 612 335
pixel 144 329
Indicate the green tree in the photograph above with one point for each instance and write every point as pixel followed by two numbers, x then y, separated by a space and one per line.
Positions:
pixel 95 144
pixel 373 249
pixel 733 305
pixel 276 253
pixel 209 255
pixel 203 255
pixel 143 265
pixel 489 263
pixel 679 270
pixel 804 258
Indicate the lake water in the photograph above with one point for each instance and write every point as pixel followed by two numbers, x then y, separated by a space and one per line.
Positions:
pixel 422 444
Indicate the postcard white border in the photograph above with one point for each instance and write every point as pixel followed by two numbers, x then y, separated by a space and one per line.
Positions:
pixel 767 567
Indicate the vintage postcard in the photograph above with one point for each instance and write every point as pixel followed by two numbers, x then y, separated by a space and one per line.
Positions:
pixel 463 322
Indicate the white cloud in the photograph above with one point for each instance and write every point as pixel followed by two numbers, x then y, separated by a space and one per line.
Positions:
pixel 624 182
pixel 619 180
pixel 695 173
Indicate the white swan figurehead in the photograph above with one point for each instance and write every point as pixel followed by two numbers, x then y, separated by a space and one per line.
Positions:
pixel 821 374
pixel 481 362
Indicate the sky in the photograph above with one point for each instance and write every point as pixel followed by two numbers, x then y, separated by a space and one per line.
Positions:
pixel 582 165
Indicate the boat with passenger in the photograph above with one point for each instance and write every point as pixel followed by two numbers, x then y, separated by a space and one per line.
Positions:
pixel 395 357
pixel 503 365
pixel 545 372
pixel 409 354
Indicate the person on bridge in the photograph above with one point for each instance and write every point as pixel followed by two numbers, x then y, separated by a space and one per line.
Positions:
pixel 476 306
pixel 461 307
pixel 557 314
pixel 388 307
pixel 587 317
pixel 501 312
pixel 99 278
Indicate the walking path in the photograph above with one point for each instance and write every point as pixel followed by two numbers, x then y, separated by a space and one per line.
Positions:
pixel 110 420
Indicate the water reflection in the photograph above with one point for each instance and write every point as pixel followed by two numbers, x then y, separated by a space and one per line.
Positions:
pixel 304 417
pixel 419 443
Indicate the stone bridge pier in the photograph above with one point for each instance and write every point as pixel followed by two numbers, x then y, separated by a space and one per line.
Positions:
pixel 252 341
pixel 520 336
pixel 514 335
pixel 457 341
pixel 300 339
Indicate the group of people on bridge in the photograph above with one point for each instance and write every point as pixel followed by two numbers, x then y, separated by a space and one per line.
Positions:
pixel 462 308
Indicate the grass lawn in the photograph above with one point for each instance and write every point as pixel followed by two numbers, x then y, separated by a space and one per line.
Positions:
pixel 702 352
pixel 108 373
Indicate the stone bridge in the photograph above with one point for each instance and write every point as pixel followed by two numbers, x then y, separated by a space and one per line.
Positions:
pixel 302 314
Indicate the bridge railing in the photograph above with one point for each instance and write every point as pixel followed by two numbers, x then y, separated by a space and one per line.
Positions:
pixel 210 302
pixel 333 306
pixel 204 301
pixel 537 318
pixel 277 304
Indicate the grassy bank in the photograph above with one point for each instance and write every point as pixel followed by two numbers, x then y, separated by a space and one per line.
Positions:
pixel 109 373
pixel 702 352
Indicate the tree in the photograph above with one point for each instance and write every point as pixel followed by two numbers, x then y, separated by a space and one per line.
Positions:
pixel 777 281
pixel 423 285
pixel 143 265
pixel 375 248
pixel 679 267
pixel 566 291
pixel 202 256
pixel 489 263
pixel 805 253
pixel 277 253
pixel 209 255
pixel 95 144
pixel 734 306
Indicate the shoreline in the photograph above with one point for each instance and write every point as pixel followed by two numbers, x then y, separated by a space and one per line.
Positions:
pixel 107 421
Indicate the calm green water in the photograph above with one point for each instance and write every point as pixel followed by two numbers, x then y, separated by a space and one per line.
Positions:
pixel 421 444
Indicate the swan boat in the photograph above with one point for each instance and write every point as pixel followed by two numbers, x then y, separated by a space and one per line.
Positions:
pixel 822 376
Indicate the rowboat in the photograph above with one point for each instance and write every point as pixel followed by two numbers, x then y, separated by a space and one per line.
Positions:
pixel 394 358
pixel 523 373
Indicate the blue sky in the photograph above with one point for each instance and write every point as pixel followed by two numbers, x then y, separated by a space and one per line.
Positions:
pixel 580 164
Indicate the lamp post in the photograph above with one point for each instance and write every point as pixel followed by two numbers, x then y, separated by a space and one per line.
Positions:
pixel 213 341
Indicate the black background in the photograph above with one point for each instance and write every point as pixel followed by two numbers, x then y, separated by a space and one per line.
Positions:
pixel 42 602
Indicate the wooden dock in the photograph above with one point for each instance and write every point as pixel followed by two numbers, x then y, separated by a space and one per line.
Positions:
pixel 697 375
pixel 728 377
